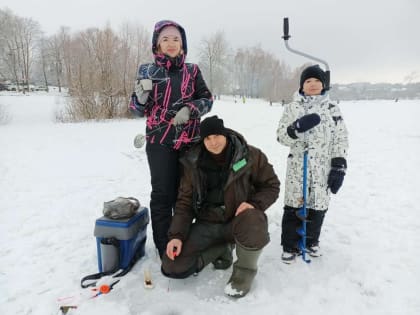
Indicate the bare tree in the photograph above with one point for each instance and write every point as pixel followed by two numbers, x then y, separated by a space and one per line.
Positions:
pixel 18 40
pixel 4 24
pixel 260 74
pixel 102 67
pixel 247 69
pixel 135 49
pixel 64 45
pixel 271 78
pixel 55 53
pixel 214 56
pixel 45 59
pixel 8 48
pixel 288 83
pixel 29 33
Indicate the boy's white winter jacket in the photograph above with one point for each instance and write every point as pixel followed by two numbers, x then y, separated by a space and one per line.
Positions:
pixel 325 141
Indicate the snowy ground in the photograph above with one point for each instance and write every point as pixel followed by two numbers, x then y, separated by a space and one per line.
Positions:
pixel 55 177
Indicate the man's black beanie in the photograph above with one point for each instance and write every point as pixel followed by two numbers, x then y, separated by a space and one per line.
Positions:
pixel 212 126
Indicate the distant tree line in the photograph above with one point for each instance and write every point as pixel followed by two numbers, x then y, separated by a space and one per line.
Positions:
pixel 98 66
pixel 250 72
pixel 370 91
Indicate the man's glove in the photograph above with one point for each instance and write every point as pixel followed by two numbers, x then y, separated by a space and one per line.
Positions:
pixel 182 116
pixel 337 172
pixel 306 122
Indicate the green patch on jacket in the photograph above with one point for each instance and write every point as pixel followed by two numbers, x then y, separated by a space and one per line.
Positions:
pixel 238 165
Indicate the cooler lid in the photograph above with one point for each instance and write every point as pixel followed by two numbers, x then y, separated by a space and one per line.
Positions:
pixel 104 226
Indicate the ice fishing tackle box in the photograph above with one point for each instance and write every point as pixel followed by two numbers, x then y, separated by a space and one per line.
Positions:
pixel 120 243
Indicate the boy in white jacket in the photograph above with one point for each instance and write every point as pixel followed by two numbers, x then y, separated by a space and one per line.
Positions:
pixel 311 117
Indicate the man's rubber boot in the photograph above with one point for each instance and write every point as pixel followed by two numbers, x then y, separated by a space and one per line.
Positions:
pixel 225 260
pixel 211 254
pixel 244 271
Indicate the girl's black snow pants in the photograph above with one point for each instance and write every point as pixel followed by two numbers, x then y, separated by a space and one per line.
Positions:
pixel 164 173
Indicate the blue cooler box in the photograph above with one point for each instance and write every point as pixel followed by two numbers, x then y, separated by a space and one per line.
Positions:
pixel 129 234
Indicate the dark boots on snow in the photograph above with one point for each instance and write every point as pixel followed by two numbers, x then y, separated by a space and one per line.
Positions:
pixel 225 260
pixel 220 255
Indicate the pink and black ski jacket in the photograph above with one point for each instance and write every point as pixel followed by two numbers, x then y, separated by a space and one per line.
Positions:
pixel 175 84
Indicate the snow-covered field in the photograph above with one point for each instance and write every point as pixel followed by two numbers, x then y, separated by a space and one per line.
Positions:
pixel 55 177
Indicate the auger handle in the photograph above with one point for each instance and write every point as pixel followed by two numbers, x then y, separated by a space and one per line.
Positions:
pixel 286 35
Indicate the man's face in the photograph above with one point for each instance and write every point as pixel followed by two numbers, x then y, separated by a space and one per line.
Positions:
pixel 215 143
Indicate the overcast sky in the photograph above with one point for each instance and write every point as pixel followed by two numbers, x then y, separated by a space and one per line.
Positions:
pixel 362 40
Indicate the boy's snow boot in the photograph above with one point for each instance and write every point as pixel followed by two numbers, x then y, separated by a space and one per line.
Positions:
pixel 225 260
pixel 288 258
pixel 244 271
pixel 289 255
pixel 211 254
pixel 314 251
